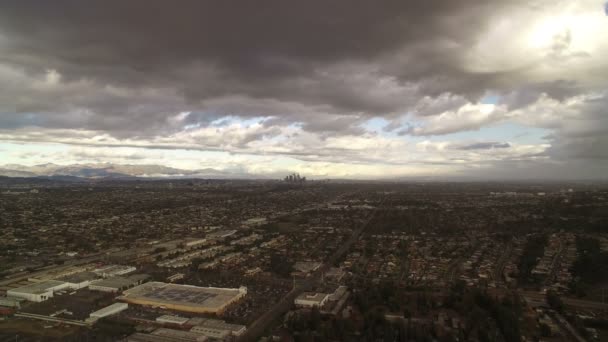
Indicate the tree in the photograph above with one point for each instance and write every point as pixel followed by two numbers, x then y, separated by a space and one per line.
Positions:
pixel 545 330
pixel 280 266
pixel 315 318
pixel 554 301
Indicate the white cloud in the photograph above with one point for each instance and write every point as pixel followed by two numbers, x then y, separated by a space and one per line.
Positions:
pixel 467 117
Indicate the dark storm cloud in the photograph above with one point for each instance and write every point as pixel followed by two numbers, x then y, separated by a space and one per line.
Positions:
pixel 256 38
pixel 352 57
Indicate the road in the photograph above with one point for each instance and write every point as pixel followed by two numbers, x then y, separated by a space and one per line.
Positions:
pixel 500 264
pixel 257 328
pixel 573 302
pixel 566 327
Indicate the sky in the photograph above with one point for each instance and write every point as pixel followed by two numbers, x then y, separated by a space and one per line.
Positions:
pixel 507 89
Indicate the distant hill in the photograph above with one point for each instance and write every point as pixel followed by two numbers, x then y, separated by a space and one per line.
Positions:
pixel 107 170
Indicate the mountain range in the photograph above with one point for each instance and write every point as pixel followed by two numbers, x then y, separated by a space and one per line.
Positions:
pixel 107 170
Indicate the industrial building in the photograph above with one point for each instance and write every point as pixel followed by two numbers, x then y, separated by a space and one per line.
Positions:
pixel 306 266
pixel 185 298
pixel 179 335
pixel 108 311
pixel 218 329
pixel 167 335
pixel 216 334
pixel 114 270
pixel 38 292
pixel 171 319
pixel 311 299
pixel 117 284
pixel 11 302
pixel 79 280
pixel 59 273
pixel 175 277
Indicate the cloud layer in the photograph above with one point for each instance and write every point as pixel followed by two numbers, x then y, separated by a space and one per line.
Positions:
pixel 398 86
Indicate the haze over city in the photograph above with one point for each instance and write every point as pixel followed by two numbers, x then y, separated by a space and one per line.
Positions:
pixel 342 89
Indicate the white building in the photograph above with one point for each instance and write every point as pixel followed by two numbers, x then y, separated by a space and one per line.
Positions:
pixel 38 292
pixel 114 270
pixel 178 335
pixel 221 234
pixel 170 319
pixel 311 299
pixel 117 284
pixel 11 302
pixel 219 325
pixel 79 280
pixel 218 329
pixel 108 311
pixel 167 335
pixel 193 243
pixel 213 333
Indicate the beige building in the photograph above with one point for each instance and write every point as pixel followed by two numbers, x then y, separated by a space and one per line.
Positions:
pixel 186 298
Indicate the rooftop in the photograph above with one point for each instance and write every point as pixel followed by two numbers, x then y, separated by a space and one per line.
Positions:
pixel 185 295
pixel 38 288
pixel 79 277
pixel 110 309
pixel 120 282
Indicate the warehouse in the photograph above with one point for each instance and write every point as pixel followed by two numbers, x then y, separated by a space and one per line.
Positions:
pixel 167 335
pixel 171 319
pixel 79 280
pixel 114 270
pixel 108 311
pixel 216 328
pixel 38 292
pixel 185 298
pixel 117 284
pixel 11 302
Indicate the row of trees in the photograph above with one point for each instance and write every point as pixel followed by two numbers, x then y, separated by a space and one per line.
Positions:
pixel 591 266
pixel 533 250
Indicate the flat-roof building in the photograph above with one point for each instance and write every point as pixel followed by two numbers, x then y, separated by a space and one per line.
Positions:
pixel 179 335
pixel 311 299
pixel 117 284
pixel 185 298
pixel 79 280
pixel 193 243
pixel 221 234
pixel 11 302
pixel 306 266
pixel 216 334
pixel 167 335
pixel 108 311
pixel 38 292
pixel 114 270
pixel 171 319
pixel 216 328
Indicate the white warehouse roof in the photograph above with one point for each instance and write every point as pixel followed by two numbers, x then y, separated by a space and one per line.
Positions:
pixel 110 310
